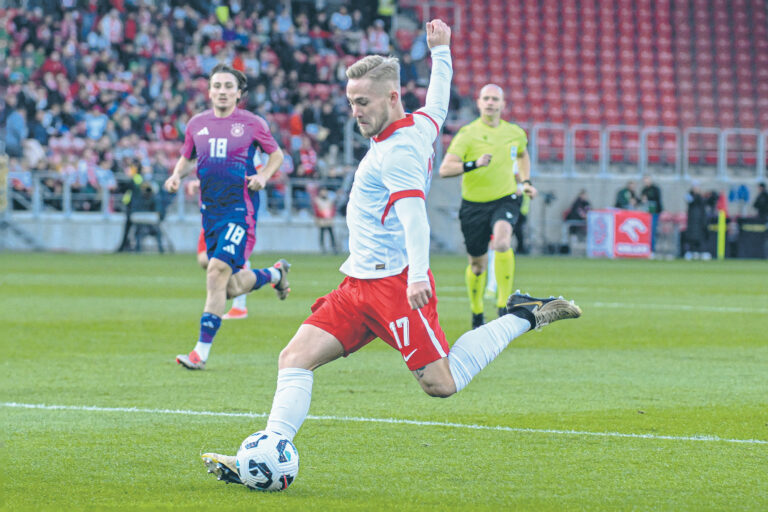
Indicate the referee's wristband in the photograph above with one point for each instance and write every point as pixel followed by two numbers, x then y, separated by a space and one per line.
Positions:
pixel 470 166
pixel 527 182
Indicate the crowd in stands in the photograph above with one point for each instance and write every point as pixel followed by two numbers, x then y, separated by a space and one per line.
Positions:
pixel 95 91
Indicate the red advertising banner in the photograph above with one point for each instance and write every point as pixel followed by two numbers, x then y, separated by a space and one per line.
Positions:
pixel 613 233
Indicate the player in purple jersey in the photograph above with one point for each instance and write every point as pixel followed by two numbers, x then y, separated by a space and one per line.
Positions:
pixel 223 142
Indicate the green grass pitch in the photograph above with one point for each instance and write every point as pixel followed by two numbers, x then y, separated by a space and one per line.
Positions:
pixel 656 399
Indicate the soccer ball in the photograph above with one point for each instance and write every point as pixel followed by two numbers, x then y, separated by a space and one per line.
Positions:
pixel 267 461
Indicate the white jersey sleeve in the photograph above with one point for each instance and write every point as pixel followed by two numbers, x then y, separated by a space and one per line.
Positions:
pixel 439 90
pixel 412 213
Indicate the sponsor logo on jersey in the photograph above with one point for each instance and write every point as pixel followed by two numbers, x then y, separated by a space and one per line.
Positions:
pixel 229 248
pixel 204 131
pixel 513 152
pixel 237 129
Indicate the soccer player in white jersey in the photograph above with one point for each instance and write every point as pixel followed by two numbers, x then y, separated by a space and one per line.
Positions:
pixel 388 291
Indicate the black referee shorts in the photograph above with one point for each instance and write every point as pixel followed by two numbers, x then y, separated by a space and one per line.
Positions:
pixel 477 220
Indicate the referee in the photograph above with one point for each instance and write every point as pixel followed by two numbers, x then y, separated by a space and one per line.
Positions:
pixel 491 156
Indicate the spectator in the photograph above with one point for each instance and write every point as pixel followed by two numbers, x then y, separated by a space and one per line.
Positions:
pixel 38 129
pixel 578 213
pixel 296 126
pixel 325 211
pixel 408 70
pixel 16 129
pixel 306 170
pixel 53 65
pixel 284 21
pixel 206 61
pixel 411 101
pixel 419 48
pixel 651 201
pixel 21 185
pixel 378 39
pixel 696 231
pixel 334 129
pixel 761 203
pixel 579 208
pixel 626 199
pixel 95 123
pixel 341 19
pixel 111 27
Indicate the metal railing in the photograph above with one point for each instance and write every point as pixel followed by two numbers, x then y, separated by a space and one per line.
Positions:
pixel 728 154
pixel 731 154
pixel 51 194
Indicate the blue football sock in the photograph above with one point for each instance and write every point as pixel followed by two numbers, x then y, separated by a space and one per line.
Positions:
pixel 263 276
pixel 209 325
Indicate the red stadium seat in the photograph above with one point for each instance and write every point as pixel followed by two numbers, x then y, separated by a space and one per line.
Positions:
pixel 651 117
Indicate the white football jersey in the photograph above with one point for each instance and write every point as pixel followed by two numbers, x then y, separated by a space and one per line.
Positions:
pixel 398 164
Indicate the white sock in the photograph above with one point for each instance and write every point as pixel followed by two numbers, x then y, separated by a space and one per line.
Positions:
pixel 475 349
pixel 203 349
pixel 291 403
pixel 275 273
pixel 239 302
pixel 490 284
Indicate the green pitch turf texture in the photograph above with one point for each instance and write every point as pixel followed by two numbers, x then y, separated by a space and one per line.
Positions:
pixel 656 399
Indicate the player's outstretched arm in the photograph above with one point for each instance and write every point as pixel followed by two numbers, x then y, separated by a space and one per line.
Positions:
pixel 180 170
pixel 439 90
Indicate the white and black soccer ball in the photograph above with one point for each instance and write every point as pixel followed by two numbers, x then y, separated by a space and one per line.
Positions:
pixel 267 461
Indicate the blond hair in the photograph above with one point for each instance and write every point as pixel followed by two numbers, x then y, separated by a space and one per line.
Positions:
pixel 377 68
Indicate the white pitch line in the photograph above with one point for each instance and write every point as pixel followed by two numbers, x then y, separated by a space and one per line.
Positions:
pixel 659 307
pixel 394 421
pixel 679 307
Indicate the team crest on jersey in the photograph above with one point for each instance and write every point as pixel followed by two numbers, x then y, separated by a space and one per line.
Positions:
pixel 237 129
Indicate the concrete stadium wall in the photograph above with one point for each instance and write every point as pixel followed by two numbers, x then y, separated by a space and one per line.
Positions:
pixel 95 233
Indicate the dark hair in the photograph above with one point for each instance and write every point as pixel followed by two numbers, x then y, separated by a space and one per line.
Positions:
pixel 242 82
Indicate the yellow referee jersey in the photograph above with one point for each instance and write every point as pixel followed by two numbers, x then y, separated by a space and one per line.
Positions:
pixel 505 143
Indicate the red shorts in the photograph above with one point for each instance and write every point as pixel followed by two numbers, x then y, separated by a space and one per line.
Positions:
pixel 201 247
pixel 360 310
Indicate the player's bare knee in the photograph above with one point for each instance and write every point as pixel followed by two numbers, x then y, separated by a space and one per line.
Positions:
pixel 202 260
pixel 286 358
pixel 216 270
pixel 501 245
pixel 293 357
pixel 436 383
pixel 477 268
pixel 438 389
